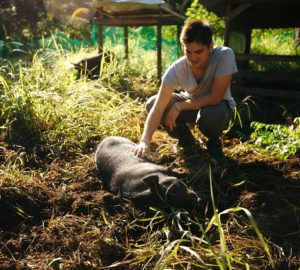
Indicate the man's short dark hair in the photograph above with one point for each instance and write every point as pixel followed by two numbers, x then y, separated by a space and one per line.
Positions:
pixel 196 31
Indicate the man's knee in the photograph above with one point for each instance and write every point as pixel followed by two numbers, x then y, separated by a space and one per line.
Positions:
pixel 213 120
pixel 150 103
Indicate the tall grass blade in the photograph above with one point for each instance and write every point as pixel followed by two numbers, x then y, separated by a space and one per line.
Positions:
pixel 225 259
pixel 167 254
pixel 258 232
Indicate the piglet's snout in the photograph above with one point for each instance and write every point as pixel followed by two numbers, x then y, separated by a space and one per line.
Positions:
pixel 193 200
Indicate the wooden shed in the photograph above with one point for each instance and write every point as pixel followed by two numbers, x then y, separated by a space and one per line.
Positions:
pixel 135 13
pixel 241 17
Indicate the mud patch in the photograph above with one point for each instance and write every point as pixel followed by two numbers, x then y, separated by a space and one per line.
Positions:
pixel 273 214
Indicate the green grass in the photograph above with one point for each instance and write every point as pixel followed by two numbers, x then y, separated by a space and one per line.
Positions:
pixel 46 103
pixel 273 41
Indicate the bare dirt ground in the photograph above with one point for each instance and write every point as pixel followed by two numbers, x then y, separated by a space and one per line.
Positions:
pixel 61 218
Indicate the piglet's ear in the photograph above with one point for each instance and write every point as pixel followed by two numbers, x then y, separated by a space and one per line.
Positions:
pixel 177 185
pixel 151 181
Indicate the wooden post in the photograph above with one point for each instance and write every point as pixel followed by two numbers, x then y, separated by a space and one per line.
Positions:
pixel 226 34
pixel 159 52
pixel 158 42
pixel 227 26
pixel 178 40
pixel 126 42
pixel 248 33
pixel 297 33
pixel 100 32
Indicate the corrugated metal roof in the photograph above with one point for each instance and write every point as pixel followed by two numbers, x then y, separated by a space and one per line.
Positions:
pixel 127 5
pixel 136 8
pixel 257 13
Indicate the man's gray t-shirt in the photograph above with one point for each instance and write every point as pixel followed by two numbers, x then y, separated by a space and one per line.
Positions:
pixel 221 62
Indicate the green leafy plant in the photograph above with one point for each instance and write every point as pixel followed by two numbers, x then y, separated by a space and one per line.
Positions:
pixel 283 141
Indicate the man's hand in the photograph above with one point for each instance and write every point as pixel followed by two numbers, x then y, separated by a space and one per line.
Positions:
pixel 142 150
pixel 172 116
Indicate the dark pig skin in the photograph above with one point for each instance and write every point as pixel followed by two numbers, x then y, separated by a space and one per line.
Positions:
pixel 140 180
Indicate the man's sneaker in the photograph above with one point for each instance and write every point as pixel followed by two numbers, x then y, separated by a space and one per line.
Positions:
pixel 186 142
pixel 188 147
pixel 216 155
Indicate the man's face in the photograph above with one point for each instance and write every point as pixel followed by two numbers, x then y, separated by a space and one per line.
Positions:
pixel 197 54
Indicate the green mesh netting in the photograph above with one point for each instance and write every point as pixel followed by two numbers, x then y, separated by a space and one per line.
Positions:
pixel 142 37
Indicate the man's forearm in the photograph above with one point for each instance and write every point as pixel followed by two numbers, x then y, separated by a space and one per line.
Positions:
pixel 151 124
pixel 198 103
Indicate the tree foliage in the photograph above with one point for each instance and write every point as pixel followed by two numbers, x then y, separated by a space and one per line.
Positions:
pixel 20 17
pixel 198 11
pixel 23 20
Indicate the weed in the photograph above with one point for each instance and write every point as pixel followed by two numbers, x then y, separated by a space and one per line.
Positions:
pixel 280 140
